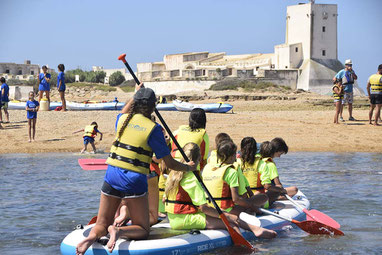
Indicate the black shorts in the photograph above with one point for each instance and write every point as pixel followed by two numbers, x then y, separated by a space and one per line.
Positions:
pixel 108 190
pixel 376 99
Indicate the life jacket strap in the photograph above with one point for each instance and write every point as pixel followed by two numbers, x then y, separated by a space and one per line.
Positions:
pixel 138 150
pixel 257 188
pixel 135 162
pixel 219 198
pixel 179 202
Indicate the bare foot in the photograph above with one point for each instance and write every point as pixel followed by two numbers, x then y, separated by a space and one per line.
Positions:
pixel 84 245
pixel 29 141
pixel 264 233
pixel 114 234
pixel 120 220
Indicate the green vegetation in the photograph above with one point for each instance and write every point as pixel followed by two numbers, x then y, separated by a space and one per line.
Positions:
pixel 85 76
pixel 116 78
pixel 94 86
pixel 128 86
pixel 247 85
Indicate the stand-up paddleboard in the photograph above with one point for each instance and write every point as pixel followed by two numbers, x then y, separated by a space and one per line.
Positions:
pixel 164 240
pixel 212 107
pixel 109 106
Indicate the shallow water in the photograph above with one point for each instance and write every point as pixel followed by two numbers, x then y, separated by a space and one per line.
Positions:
pixel 44 196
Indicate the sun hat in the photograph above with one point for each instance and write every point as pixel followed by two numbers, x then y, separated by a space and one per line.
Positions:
pixel 348 62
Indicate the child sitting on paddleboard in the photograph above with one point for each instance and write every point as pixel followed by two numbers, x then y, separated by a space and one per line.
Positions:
pixel 32 107
pixel 187 206
pixel 223 182
pixel 213 158
pixel 91 132
pixel 269 151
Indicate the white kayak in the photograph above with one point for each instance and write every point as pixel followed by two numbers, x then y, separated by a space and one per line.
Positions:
pixel 110 106
pixel 164 240
pixel 211 107
pixel 17 105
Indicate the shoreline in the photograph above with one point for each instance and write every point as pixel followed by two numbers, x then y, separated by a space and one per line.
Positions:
pixel 304 123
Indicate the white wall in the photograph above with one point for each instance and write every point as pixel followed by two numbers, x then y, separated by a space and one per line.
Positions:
pixel 173 87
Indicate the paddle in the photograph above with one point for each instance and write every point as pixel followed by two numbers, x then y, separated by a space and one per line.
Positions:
pixel 92 164
pixel 316 215
pixel 237 238
pixel 93 220
pixel 311 227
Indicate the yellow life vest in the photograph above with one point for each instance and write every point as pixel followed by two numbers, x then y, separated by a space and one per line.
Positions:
pixel 179 202
pixel 184 136
pixel 252 174
pixel 131 150
pixel 213 158
pixel 90 131
pixel 376 84
pixel 337 96
pixel 213 179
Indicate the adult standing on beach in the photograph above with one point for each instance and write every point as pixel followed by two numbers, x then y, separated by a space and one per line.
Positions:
pixel 44 86
pixel 374 90
pixel 4 99
pixel 347 76
pixel 61 85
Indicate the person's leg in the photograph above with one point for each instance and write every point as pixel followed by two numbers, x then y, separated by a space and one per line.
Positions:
pixel 1 115
pixel 342 109
pixel 259 199
pixel 62 95
pixel 377 114
pixel 338 110
pixel 34 128
pixel 107 207
pixel 350 109
pixel 85 147
pixel 47 94
pixel 153 199
pixel 40 94
pixel 6 114
pixel 93 146
pixel 29 129
pixel 291 191
pixel 372 106
pixel 140 222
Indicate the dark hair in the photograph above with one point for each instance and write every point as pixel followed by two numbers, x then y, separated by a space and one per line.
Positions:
pixel 152 117
pixel 143 107
pixel 279 145
pixel 248 148
pixel 2 79
pixel 225 150
pixel 220 137
pixel 267 150
pixel 197 119
pixel 61 67
pixel 94 123
pixel 44 66
pixel 380 67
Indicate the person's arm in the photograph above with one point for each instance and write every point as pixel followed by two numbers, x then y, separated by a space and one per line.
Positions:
pixel 47 77
pixel 368 86
pixel 277 182
pixel 101 135
pixel 59 85
pixel 337 90
pixel 239 200
pixel 128 104
pixel 249 191
pixel 80 130
pixel 355 77
pixel 176 165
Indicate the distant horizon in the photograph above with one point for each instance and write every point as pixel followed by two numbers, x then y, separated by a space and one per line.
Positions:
pixel 96 33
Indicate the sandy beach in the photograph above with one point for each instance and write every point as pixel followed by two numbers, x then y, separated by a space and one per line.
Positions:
pixel 305 122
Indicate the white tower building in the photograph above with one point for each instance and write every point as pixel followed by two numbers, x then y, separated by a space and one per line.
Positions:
pixel 311 46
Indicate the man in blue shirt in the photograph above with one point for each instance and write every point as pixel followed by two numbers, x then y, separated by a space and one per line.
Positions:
pixel 4 99
pixel 347 77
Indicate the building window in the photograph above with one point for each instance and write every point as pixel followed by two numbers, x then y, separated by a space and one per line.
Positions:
pixel 7 71
pixel 32 72
pixel 286 67
pixel 204 72
pixel 323 29
pixel 296 49
pixel 20 72
pixel 323 52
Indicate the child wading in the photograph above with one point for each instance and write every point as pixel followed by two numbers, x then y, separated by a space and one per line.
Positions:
pixel 32 107
pixel 90 132
pixel 126 176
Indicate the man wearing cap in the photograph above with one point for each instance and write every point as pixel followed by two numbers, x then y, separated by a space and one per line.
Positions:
pixel 374 90
pixel 347 77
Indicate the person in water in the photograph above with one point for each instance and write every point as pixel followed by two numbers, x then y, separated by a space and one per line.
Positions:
pixel 223 182
pixel 128 166
pixel 338 94
pixel 194 132
pixel 32 107
pixel 187 207
pixel 269 151
pixel 90 132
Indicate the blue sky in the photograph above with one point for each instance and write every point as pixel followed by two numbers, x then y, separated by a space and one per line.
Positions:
pixel 83 33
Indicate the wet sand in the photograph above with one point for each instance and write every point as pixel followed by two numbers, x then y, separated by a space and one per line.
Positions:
pixel 304 125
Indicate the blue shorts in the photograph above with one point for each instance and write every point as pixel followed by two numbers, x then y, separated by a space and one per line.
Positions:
pixel 63 88
pixel 125 183
pixel 88 139
pixel 43 87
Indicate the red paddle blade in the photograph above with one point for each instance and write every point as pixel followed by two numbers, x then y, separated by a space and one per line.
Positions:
pixel 92 164
pixel 317 228
pixel 237 238
pixel 321 217
pixel 93 220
